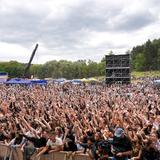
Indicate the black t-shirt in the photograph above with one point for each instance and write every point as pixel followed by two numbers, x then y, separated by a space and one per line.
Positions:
pixel 2 137
pixel 37 142
pixel 158 133
pixel 150 154
pixel 121 145
pixel 70 145
pixel 18 140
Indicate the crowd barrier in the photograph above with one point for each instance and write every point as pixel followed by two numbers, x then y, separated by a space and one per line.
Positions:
pixel 17 154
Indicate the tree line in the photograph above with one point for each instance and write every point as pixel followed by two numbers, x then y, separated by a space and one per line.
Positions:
pixel 143 58
pixel 146 57
pixel 56 69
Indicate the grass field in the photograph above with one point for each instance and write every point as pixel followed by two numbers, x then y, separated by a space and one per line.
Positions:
pixel 136 74
pixel 145 74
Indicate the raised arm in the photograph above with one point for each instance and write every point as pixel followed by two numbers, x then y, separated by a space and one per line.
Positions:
pixel 29 127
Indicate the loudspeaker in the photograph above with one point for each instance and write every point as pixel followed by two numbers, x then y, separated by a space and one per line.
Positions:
pixel 118 69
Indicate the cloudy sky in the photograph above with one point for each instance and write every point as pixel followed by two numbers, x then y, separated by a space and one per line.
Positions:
pixel 75 29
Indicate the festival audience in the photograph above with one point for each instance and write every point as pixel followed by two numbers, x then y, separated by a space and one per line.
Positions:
pixel 106 122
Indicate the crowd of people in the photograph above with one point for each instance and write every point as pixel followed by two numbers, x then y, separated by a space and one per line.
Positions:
pixel 117 122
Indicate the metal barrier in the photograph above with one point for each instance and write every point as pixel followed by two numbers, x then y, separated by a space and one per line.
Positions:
pixel 17 154
pixel 3 151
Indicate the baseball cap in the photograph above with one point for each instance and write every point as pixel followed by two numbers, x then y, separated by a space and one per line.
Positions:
pixel 119 131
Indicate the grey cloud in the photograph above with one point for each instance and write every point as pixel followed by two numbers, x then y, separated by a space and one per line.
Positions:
pixel 134 21
pixel 86 17
pixel 64 34
pixel 76 27
pixel 20 26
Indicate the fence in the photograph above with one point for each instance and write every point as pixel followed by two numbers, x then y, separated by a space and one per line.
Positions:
pixel 17 154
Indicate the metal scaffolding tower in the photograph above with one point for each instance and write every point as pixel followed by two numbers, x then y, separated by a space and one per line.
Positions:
pixel 118 69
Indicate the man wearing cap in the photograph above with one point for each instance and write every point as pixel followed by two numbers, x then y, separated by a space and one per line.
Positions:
pixel 121 146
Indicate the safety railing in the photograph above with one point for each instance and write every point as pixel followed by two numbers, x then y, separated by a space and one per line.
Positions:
pixel 11 153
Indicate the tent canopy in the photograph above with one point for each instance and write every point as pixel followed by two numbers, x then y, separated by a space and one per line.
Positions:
pixel 26 81
pixel 156 82
pixel 93 79
pixel 39 81
pixel 18 81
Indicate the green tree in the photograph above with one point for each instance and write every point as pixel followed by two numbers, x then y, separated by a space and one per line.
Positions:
pixel 139 62
pixel 158 59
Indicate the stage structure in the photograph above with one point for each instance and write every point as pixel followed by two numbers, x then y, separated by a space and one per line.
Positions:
pixel 26 71
pixel 118 69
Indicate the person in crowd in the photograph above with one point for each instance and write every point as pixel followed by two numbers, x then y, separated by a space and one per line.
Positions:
pixel 54 144
pixel 121 146
pixel 84 118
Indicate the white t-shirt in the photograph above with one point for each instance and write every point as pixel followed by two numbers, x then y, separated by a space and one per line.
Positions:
pixel 158 145
pixel 58 142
